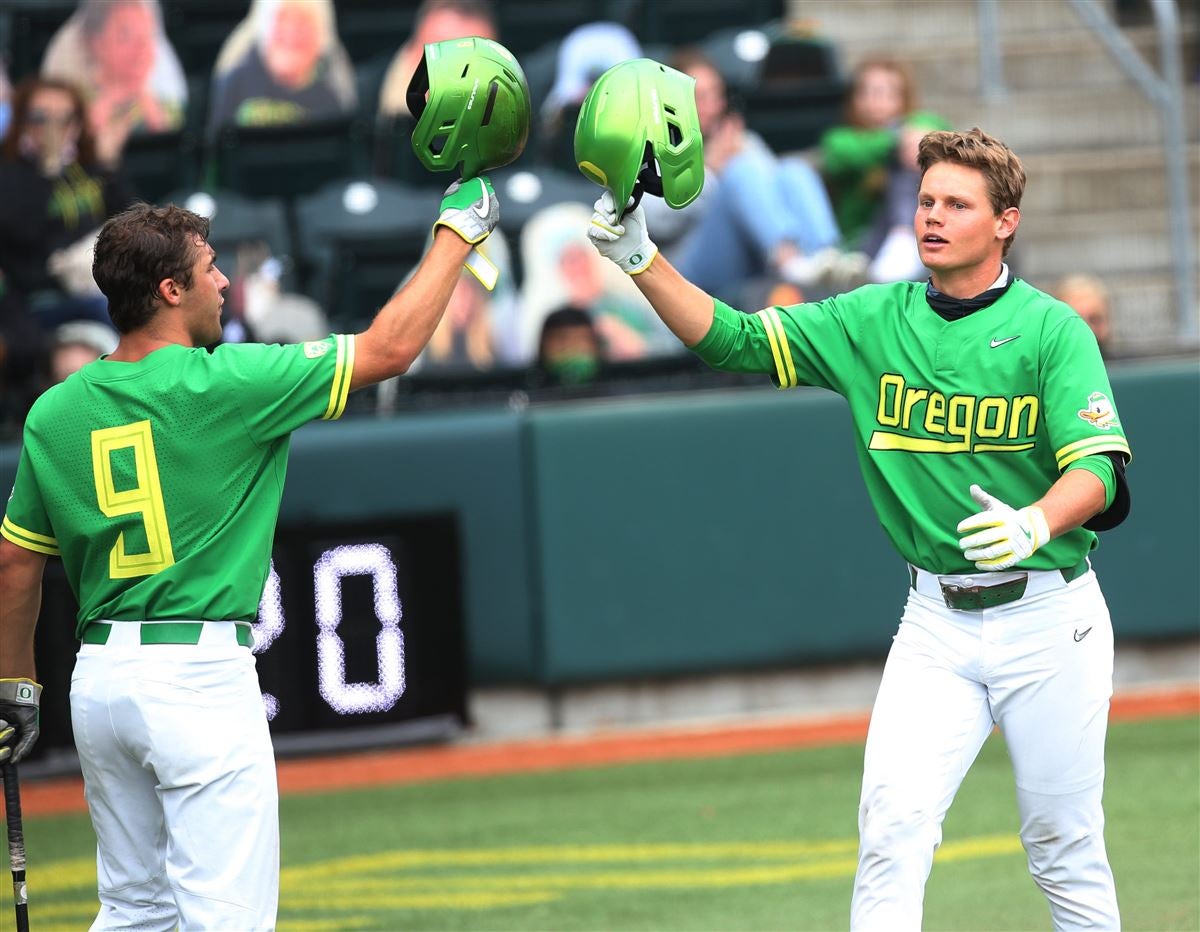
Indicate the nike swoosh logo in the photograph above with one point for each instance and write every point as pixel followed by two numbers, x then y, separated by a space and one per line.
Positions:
pixel 996 342
pixel 483 211
pixel 1080 635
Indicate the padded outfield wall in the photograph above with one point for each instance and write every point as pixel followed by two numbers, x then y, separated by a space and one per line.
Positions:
pixel 710 531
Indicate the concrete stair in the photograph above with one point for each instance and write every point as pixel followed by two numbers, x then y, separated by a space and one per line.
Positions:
pixel 1064 120
pixel 1096 200
pixel 1104 179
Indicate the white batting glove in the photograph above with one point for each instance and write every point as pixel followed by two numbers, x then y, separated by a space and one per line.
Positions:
pixel 1004 535
pixel 624 240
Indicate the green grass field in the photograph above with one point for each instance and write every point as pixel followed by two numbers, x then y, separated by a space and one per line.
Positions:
pixel 763 841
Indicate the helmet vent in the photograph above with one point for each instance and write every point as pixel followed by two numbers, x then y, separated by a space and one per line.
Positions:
pixel 438 143
pixel 491 103
pixel 674 133
pixel 669 109
pixel 466 68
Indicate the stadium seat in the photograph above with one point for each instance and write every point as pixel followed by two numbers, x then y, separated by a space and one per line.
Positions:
pixel 525 189
pixel 369 28
pixel 799 92
pixel 392 156
pixel 683 22
pixel 198 28
pixel 357 240
pixel 30 25
pixel 527 25
pixel 156 163
pixel 368 80
pixel 288 161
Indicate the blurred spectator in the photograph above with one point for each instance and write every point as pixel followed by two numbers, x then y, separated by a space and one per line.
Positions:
pixel 282 65
pixel 54 195
pixel 758 216
pixel 870 164
pixel 586 53
pixel 76 344
pixel 5 98
pixel 463 342
pixel 562 267
pixel 1089 298
pixel 117 52
pixel 436 20
pixel 569 348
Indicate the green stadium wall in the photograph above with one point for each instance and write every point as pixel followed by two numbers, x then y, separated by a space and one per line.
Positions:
pixel 710 531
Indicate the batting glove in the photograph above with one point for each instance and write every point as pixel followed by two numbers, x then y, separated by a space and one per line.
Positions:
pixel 622 239
pixel 1004 535
pixel 470 209
pixel 19 700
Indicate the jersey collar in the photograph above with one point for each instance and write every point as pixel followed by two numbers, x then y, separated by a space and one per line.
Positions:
pixel 949 308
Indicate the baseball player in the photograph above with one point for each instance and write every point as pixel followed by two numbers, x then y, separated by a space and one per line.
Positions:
pixel 992 452
pixel 156 474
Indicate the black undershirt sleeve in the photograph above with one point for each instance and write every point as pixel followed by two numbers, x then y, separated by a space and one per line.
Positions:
pixel 1118 511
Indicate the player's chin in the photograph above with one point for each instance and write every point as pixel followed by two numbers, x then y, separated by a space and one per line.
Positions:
pixel 933 258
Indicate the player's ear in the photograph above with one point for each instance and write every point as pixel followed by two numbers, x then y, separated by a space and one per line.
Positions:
pixel 168 289
pixel 1006 223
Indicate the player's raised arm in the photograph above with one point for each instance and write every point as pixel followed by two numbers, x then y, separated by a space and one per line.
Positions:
pixel 685 309
pixel 452 133
pixel 469 213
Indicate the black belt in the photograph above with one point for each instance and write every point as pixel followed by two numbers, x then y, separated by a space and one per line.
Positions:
pixel 975 598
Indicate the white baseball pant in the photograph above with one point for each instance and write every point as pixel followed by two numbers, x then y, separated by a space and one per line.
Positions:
pixel 1040 668
pixel 179 775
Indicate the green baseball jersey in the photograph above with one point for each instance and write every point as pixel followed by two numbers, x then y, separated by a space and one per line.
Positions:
pixel 1007 397
pixel 159 481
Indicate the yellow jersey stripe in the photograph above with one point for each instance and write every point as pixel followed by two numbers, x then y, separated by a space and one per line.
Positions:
pixel 347 373
pixel 885 440
pixel 779 370
pixel 1090 441
pixel 32 535
pixel 26 539
pixel 338 366
pixel 1098 445
pixel 1001 447
pixel 784 345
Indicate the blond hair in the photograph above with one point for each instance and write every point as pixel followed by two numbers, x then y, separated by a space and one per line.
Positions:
pixel 1001 168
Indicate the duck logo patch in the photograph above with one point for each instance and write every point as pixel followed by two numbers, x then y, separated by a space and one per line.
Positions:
pixel 1099 411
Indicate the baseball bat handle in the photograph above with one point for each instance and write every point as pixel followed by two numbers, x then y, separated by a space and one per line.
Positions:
pixel 16 845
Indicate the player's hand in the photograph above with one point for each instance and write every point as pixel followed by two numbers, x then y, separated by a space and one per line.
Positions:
pixel 624 239
pixel 19 729
pixel 470 208
pixel 1004 536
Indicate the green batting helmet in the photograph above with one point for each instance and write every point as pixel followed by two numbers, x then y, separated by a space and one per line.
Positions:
pixel 638 130
pixel 477 112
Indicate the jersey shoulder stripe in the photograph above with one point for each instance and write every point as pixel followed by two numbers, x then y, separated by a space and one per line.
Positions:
pixel 785 369
pixel 1090 445
pixel 343 369
pixel 28 540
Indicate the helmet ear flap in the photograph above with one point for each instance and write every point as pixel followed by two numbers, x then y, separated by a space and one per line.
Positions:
pixel 649 177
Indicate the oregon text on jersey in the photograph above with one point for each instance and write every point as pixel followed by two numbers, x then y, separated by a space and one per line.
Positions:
pixel 988 424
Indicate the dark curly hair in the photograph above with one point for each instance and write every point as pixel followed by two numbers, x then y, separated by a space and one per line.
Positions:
pixel 137 249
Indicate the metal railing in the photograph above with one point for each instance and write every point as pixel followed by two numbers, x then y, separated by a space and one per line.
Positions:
pixel 1165 92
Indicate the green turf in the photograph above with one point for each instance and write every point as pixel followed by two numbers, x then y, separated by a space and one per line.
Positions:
pixel 762 841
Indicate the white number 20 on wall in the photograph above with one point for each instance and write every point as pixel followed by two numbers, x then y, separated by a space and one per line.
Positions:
pixel 372 560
